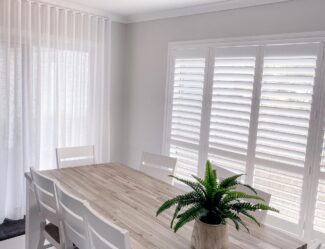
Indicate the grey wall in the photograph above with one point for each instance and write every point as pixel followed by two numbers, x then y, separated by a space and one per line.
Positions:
pixel 118 50
pixel 143 78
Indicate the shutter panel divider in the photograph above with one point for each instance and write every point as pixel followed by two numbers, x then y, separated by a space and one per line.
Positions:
pixel 254 117
pixel 207 102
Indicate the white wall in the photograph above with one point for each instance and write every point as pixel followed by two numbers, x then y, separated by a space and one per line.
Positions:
pixel 145 62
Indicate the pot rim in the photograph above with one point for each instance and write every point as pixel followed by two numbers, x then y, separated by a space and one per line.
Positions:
pixel 212 225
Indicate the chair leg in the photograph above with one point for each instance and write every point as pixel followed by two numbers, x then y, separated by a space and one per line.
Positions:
pixel 62 236
pixel 42 238
pixel 68 244
pixel 41 242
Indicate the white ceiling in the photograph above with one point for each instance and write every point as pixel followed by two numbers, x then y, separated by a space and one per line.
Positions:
pixel 143 10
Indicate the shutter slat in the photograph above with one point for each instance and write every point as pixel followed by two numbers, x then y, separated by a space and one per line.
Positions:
pixel 283 128
pixel 285 104
pixel 229 127
pixel 276 119
pixel 231 100
pixel 218 119
pixel 224 145
pixel 282 136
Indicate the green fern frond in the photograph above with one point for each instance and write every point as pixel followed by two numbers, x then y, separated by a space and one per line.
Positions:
pixel 177 210
pixel 243 224
pixel 194 185
pixel 210 178
pixel 247 186
pixel 199 180
pixel 235 195
pixel 191 214
pixel 230 181
pixel 234 218
pixel 244 212
pixel 186 199
pixel 261 206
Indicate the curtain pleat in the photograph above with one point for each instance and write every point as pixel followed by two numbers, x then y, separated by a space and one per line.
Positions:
pixel 54 90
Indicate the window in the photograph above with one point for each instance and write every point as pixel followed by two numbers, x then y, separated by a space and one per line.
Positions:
pixel 254 108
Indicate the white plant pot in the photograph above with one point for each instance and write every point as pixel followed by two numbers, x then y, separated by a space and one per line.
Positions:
pixel 206 236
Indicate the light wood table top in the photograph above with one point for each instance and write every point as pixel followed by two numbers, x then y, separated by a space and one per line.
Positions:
pixel 130 199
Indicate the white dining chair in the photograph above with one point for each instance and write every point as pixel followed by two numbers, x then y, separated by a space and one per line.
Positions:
pixel 315 244
pixel 103 234
pixel 75 156
pixel 47 203
pixel 260 216
pixel 158 166
pixel 72 211
pixel 223 173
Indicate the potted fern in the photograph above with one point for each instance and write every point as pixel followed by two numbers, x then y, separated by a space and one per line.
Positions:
pixel 211 203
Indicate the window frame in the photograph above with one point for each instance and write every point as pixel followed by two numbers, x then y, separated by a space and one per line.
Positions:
pixel 317 114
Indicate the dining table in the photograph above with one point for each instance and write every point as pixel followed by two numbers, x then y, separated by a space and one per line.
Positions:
pixel 130 198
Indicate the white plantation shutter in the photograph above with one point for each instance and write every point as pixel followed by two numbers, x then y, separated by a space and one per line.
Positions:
pixel 283 126
pixel 257 109
pixel 233 82
pixel 188 77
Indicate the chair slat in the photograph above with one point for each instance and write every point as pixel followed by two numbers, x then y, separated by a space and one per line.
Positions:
pixel 72 212
pixel 104 234
pixel 47 203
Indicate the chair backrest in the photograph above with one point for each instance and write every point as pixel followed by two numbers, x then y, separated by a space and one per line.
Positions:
pixel 72 212
pixel 223 173
pixel 315 244
pixel 259 215
pixel 104 234
pixel 75 156
pixel 158 166
pixel 45 197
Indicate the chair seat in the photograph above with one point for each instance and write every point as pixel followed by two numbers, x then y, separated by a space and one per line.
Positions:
pixel 53 231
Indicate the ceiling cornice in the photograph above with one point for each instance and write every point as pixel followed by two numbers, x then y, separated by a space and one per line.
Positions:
pixel 199 9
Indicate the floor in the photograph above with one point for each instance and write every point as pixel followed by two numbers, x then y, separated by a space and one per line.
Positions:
pixel 15 243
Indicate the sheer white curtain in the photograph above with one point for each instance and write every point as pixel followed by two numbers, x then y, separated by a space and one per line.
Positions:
pixel 54 90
